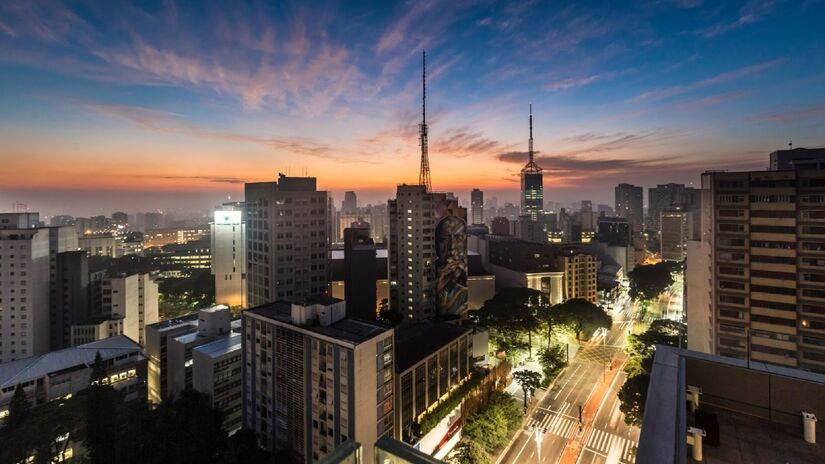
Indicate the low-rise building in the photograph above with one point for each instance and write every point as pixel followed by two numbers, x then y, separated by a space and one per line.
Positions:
pixel 58 374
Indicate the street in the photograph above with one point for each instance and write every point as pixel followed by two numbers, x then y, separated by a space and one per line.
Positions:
pixel 591 382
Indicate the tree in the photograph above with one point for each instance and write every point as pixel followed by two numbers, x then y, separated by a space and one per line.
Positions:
pixel 491 426
pixel 529 381
pixel 389 316
pixel 512 313
pixel 102 403
pixel 547 316
pixel 660 332
pixel 632 397
pixel 552 360
pixel 579 315
pixel 469 452
pixel 649 281
pixel 19 408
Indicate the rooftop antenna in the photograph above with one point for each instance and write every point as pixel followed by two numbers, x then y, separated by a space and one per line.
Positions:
pixel 424 174
pixel 530 147
pixel 790 144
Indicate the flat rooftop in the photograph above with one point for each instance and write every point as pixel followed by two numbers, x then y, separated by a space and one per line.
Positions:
pixel 351 330
pixel 220 346
pixel 755 407
pixel 420 340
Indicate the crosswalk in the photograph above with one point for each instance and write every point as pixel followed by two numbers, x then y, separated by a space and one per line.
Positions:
pixel 611 445
pixel 554 422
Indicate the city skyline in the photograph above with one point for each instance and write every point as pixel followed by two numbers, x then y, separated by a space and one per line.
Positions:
pixel 161 107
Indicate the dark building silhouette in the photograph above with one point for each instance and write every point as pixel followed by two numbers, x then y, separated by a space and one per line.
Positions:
pixel 500 226
pixel 72 299
pixel 359 273
pixel 614 231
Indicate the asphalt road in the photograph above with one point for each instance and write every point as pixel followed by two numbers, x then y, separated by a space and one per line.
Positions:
pixel 557 415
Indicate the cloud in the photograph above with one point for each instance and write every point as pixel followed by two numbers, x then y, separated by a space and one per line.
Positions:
pixel 213 179
pixel 668 92
pixel 167 122
pixel 577 81
pixel 397 31
pixel 463 142
pixel 790 116
pixel 752 12
pixel 688 105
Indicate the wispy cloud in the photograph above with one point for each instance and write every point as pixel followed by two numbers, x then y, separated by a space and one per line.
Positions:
pixel 668 92
pixel 711 100
pixel 463 142
pixel 752 12
pixel 790 116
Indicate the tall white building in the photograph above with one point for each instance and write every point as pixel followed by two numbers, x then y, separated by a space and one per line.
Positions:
pixel 313 379
pixel 28 266
pixel 134 299
pixel 229 257
pixel 216 371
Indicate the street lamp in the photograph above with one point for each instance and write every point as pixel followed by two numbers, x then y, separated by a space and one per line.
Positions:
pixel 538 437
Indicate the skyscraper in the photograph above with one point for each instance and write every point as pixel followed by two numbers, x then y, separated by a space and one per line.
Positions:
pixel 411 255
pixel 629 205
pixel 667 196
pixel 674 237
pixel 286 240
pixel 586 214
pixel 477 205
pixel 532 182
pixel 228 250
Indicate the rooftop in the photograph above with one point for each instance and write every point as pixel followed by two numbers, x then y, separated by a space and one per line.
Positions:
pixel 350 330
pixel 35 367
pixel 418 341
pixel 759 423
pixel 220 346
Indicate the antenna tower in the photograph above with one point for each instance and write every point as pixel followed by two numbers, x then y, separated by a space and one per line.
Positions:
pixel 424 174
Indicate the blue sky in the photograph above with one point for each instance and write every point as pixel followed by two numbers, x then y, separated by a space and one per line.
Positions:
pixel 163 101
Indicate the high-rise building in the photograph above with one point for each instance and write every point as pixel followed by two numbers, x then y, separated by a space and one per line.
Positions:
pixel 754 281
pixel 532 182
pixel 158 336
pixel 500 226
pixel 216 371
pixel 629 205
pixel 796 158
pixel 411 255
pixel 586 216
pixel 669 196
pixel 675 233
pixel 287 244
pixel 580 273
pixel 228 250
pixel 350 203
pixel 359 273
pixel 120 219
pixel 477 205
pixel 134 299
pixel 28 299
pixel 528 230
pixel 313 379
pixel 615 231
pixel 72 305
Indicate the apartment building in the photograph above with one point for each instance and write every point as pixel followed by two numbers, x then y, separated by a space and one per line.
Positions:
pixel 313 379
pixel 133 298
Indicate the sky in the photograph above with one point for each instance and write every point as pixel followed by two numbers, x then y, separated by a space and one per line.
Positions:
pixel 164 105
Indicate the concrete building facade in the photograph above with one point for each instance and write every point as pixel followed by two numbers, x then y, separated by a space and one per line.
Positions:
pixel 228 248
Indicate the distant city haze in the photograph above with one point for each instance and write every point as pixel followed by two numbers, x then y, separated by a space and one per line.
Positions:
pixel 180 108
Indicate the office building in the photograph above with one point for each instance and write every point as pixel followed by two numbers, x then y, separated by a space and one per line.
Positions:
pixel 586 216
pixel 94 328
pixel 313 379
pixel 516 263
pixel 615 231
pixel 797 158
pixel 287 245
pixel 532 182
pixel 676 226
pixel 629 205
pixel 228 248
pixel 72 297
pixel 432 358
pixel 477 206
pixel 756 278
pixel 359 273
pixel 706 408
pixel 158 337
pixel 529 230
pixel 133 298
pixel 669 196
pixel 162 237
pixel 61 220
pixel 120 219
pixel 58 374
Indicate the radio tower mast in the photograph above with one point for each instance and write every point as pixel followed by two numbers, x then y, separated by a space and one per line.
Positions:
pixel 424 174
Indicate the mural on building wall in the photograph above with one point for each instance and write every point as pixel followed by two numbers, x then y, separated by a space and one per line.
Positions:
pixel 451 258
